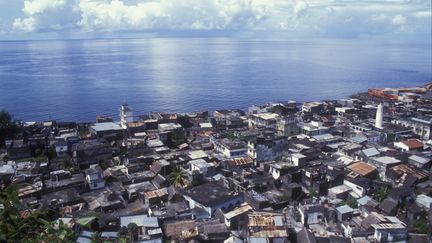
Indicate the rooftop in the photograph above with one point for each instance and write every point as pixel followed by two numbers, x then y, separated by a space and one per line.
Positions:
pixel 387 160
pixel 106 126
pixel 140 220
pixel 209 194
pixel 362 168
pixel 266 116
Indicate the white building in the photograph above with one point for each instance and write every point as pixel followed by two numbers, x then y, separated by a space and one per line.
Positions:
pixel 94 178
pixel 126 115
pixel 379 117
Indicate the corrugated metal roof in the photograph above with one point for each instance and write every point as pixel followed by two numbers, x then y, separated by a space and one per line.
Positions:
pixel 140 220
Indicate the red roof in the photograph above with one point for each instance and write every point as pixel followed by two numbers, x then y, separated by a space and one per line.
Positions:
pixel 413 143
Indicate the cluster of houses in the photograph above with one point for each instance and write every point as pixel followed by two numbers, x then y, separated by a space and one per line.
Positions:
pixel 349 170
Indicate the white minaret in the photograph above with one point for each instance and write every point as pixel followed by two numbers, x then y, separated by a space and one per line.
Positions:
pixel 126 115
pixel 379 117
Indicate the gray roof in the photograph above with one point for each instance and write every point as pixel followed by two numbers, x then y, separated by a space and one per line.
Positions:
pixel 344 209
pixel 105 126
pixel 140 220
pixel 371 152
pixel 418 159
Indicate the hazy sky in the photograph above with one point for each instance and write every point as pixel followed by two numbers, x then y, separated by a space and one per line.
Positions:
pixel 375 19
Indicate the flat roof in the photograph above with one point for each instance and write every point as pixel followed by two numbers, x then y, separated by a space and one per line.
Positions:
pixel 238 211
pixel 209 194
pixel 206 125
pixel 140 220
pixel 266 116
pixel 200 163
pixel 419 159
pixel 197 154
pixel 106 126
pixel 387 160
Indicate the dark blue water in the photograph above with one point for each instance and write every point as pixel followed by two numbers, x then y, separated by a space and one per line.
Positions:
pixel 79 79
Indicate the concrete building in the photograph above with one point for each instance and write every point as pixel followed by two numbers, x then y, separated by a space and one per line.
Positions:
pixel 266 148
pixel 390 232
pixel 210 197
pixel 287 126
pixel 264 120
pixel 94 178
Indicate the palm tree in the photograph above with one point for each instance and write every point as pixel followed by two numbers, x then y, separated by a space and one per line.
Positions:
pixel 178 177
pixel 20 224
pixel 133 231
pixel 382 193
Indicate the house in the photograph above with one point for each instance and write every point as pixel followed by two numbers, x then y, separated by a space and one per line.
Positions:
pixel 311 214
pixel 61 147
pixel 406 175
pixel 266 148
pixel 419 125
pixel 362 169
pixel 409 145
pixel 298 159
pixel 264 120
pixel 202 166
pixel 107 129
pixel 389 206
pixel 424 201
pixel 210 197
pixel 312 107
pixel 266 227
pixel 344 213
pixel 179 231
pixel 166 130
pixel 147 226
pixel 229 148
pixel 88 152
pixel 94 178
pixel 312 128
pixel 256 200
pixel 234 218
pixel 390 232
pixel 287 126
pixel 419 161
pixel 60 180
pixel 197 154
pixel 340 192
pixel 383 163
pixel 156 196
pixel 240 162
pixel 279 169
pixel 365 154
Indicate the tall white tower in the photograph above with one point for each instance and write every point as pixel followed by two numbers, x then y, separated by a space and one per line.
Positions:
pixel 379 117
pixel 126 115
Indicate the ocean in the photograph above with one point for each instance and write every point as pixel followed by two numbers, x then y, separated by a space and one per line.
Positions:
pixel 75 80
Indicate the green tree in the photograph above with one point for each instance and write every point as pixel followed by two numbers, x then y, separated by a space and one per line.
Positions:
pixel 313 192
pixel 133 231
pixel 421 226
pixel 197 178
pixel 20 224
pixel 178 137
pixel 382 193
pixel 8 128
pixel 178 177
pixel 351 202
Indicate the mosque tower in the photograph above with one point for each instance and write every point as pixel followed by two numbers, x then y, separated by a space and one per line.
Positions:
pixel 379 117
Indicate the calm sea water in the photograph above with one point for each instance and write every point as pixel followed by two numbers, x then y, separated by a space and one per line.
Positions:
pixel 79 79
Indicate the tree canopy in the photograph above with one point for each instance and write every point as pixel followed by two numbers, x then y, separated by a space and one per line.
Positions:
pixel 8 127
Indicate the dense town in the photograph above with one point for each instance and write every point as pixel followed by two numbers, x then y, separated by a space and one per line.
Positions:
pixel 347 170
